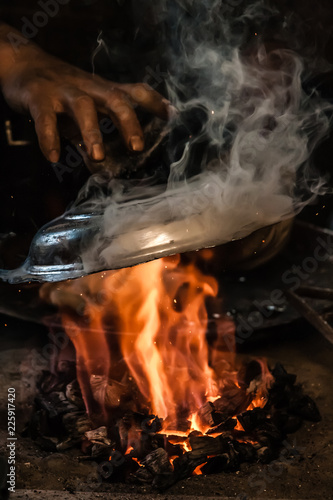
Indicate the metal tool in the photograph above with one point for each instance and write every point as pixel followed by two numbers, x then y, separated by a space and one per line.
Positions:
pixel 319 321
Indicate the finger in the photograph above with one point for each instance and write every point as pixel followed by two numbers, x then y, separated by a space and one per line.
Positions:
pixel 125 119
pixel 45 120
pixel 146 97
pixel 84 112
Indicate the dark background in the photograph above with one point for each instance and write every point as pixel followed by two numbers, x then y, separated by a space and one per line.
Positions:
pixel 31 192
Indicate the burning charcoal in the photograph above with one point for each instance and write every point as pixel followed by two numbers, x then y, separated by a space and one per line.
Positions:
pixel 108 392
pixel 205 414
pixel 248 372
pixel 206 445
pixel 173 449
pixel 282 378
pixel 98 436
pixel 246 452
pixel 216 464
pixel 303 406
pixel 157 462
pixel 151 424
pixel 251 419
pixel 234 401
pixel 180 425
pixel 142 475
pixel 265 454
pixel 227 425
pixel 185 465
pixel 164 481
pixel 73 394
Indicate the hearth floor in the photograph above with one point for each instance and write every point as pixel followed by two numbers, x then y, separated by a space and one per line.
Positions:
pixel 309 475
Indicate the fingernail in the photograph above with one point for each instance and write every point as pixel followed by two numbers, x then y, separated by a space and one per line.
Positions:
pixel 53 156
pixel 98 152
pixel 137 143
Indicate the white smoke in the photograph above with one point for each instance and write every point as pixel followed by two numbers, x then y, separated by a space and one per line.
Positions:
pixel 250 153
pixel 262 126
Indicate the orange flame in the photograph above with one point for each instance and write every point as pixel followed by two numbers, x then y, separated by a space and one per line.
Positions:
pixel 140 336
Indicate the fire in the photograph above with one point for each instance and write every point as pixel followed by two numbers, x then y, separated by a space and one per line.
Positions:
pixel 163 334
pixel 140 336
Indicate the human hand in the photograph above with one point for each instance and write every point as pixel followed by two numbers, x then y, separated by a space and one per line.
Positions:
pixel 46 87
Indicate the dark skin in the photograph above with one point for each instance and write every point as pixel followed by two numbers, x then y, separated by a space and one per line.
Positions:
pixel 33 81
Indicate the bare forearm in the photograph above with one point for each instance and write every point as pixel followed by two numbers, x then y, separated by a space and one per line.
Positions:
pixel 14 49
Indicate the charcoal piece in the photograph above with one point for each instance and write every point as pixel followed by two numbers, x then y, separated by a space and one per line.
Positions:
pixel 246 451
pixel 143 444
pixel 285 422
pixel 265 454
pixel 83 424
pixel 105 470
pixel 282 377
pixel 51 382
pixel 227 425
pixel 206 445
pixel 157 462
pixel 107 392
pixel 185 465
pixel 68 443
pixel 248 372
pixel 278 398
pixel 195 434
pixel 74 395
pixel 179 425
pixel 204 414
pixel 304 407
pixel 151 424
pixel 101 450
pixel 131 465
pixel 219 417
pixel 55 403
pixel 164 480
pixel 233 455
pixel 123 427
pixel 251 419
pixel 76 423
pixel 142 475
pixel 268 433
pixel 217 464
pixel 235 400
pixel 172 449
pixel 99 436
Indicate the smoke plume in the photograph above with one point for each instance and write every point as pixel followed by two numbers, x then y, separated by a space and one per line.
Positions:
pixel 238 149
